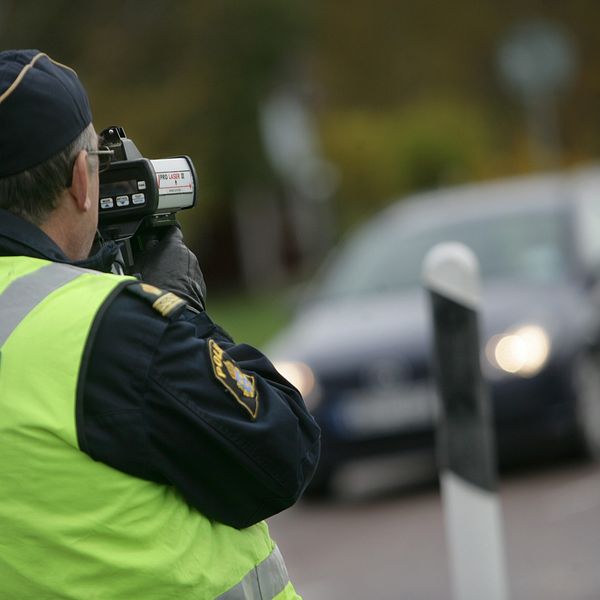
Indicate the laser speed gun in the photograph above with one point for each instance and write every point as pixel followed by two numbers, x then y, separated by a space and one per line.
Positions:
pixel 137 194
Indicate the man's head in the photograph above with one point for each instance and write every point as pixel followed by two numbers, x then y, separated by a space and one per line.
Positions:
pixel 47 175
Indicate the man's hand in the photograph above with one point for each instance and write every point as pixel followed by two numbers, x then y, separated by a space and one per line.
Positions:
pixel 170 265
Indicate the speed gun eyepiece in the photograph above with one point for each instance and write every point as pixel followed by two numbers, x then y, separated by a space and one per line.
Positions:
pixel 136 192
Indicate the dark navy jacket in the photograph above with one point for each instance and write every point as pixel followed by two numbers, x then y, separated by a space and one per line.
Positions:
pixel 149 403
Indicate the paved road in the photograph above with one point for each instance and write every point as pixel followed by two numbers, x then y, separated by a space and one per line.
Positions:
pixel 392 545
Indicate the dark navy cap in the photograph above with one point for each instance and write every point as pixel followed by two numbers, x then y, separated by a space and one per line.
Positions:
pixel 43 108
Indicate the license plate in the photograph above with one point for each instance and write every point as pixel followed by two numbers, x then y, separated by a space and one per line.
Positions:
pixel 370 412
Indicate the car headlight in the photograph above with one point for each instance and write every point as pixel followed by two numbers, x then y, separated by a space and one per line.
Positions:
pixel 301 376
pixel 522 351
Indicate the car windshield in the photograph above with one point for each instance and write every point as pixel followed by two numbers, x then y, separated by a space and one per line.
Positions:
pixel 388 256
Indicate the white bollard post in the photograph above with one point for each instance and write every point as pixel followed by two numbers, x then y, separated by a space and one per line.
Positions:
pixel 466 453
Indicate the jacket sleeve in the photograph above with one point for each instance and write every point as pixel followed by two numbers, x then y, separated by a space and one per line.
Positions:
pixel 178 402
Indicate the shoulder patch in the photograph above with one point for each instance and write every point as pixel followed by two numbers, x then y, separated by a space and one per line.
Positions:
pixel 167 304
pixel 239 384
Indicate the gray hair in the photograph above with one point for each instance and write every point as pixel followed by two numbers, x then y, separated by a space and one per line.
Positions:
pixel 33 194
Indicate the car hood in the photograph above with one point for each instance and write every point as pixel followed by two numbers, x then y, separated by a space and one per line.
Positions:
pixel 331 332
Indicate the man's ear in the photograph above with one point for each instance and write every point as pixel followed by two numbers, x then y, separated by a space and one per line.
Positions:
pixel 80 183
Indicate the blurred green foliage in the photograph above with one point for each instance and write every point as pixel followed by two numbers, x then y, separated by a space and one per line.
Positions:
pixel 422 145
pixel 253 319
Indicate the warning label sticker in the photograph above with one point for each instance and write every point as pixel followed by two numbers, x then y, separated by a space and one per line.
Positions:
pixel 175 182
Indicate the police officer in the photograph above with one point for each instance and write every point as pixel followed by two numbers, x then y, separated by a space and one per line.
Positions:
pixel 140 447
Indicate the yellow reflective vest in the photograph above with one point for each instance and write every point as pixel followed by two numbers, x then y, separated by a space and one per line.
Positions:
pixel 74 528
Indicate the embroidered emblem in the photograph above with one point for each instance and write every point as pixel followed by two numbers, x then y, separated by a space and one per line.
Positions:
pixel 239 384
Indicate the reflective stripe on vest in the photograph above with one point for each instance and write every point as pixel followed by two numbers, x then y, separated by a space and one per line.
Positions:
pixel 25 293
pixel 264 582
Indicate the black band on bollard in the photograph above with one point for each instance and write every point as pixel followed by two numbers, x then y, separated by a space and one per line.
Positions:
pixel 465 438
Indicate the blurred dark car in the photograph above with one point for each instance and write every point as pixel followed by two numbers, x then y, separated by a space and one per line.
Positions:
pixel 359 347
